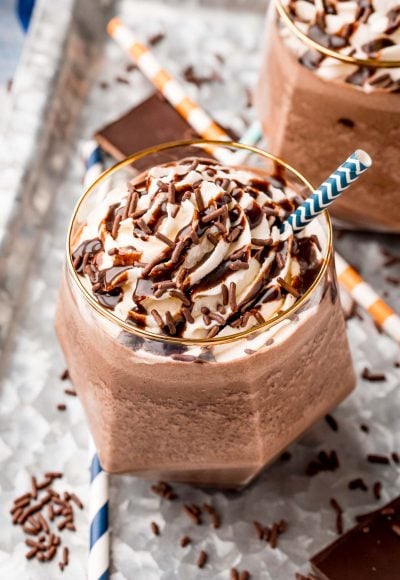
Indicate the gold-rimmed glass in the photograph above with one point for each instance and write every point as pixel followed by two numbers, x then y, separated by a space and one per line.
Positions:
pixel 210 412
pixel 367 62
pixel 126 169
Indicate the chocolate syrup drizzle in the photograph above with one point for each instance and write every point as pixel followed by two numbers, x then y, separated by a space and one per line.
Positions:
pixel 165 274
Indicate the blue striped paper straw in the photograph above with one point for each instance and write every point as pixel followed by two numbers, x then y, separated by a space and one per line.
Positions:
pixel 99 543
pixel 252 135
pixel 99 538
pixel 329 190
pixel 93 159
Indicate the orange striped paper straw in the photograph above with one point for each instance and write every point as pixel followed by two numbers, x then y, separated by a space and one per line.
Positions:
pixel 367 298
pixel 205 126
pixel 174 93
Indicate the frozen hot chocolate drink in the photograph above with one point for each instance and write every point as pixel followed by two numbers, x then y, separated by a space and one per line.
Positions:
pixel 202 340
pixel 330 82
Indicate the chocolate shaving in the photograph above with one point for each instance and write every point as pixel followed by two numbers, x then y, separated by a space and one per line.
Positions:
pixel 359 77
pixel 373 47
pixel 393 20
pixel 311 59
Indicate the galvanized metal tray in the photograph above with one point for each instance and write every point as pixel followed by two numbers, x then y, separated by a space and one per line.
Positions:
pixel 58 102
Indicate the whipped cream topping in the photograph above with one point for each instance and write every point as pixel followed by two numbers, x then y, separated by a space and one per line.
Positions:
pixel 195 250
pixel 364 29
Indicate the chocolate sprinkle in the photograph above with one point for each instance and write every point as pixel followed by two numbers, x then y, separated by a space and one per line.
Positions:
pixel 185 541
pixel 331 421
pixel 346 122
pixel 377 488
pixel 288 287
pixel 325 462
pixel 378 459
pixel 202 559
pixel 193 514
pixel 199 200
pixel 183 357
pixel 358 483
pixel 232 297
pixel 339 515
pixel 372 377
pixel 164 239
pixel 155 529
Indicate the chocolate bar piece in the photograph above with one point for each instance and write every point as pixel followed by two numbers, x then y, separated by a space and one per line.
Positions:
pixel 370 550
pixel 150 123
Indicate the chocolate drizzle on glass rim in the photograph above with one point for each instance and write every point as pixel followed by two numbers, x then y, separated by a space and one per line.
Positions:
pixel 318 43
pixel 154 280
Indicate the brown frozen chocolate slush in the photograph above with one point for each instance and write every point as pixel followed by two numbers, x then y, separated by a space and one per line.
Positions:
pixel 330 82
pixel 201 338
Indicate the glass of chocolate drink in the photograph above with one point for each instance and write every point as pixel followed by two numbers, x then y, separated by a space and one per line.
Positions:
pixel 201 339
pixel 330 82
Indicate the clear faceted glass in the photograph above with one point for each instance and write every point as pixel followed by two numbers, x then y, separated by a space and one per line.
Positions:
pixel 219 422
pixel 316 123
